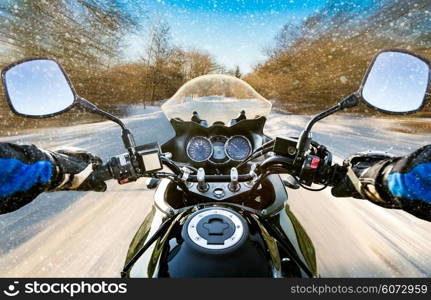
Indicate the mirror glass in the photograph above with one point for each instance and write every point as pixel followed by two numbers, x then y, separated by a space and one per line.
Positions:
pixel 38 88
pixel 396 82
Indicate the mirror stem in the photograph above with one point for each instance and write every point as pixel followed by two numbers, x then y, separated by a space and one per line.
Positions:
pixel 128 140
pixel 305 137
pixel 350 101
pixel 87 105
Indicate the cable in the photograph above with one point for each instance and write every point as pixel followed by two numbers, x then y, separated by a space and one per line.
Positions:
pixel 310 189
pixel 254 156
pixel 267 144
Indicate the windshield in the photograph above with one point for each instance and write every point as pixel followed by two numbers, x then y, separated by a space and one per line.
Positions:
pixel 216 98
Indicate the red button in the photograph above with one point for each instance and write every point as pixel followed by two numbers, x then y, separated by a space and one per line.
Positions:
pixel 314 163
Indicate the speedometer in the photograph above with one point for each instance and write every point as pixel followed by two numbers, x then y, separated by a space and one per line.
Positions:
pixel 238 148
pixel 199 149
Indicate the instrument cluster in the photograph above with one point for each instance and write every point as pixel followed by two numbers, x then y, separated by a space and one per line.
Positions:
pixel 218 149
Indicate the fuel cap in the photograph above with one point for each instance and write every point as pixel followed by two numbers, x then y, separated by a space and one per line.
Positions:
pixel 216 228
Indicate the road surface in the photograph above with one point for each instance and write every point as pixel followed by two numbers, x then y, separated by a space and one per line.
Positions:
pixel 79 234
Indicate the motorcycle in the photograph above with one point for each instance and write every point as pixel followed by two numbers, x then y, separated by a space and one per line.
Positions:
pixel 220 206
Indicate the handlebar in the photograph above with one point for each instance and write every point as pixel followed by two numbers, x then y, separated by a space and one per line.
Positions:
pixel 220 178
pixel 104 173
pixel 314 167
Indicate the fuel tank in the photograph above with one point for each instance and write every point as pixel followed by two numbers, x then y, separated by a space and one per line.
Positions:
pixel 172 243
pixel 216 242
pixel 209 242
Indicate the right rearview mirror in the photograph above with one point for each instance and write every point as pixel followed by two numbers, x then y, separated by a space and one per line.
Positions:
pixel 37 88
pixel 396 82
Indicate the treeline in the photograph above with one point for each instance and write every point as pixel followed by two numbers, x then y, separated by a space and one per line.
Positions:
pixel 310 65
pixel 313 64
pixel 88 38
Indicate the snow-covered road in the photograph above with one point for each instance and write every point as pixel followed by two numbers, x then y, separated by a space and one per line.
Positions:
pixel 81 234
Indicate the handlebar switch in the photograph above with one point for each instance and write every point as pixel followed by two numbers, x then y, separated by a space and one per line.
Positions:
pixel 234 184
pixel 122 169
pixel 126 170
pixel 203 187
pixel 309 169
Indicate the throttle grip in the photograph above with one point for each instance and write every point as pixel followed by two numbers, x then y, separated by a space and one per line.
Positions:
pixel 102 173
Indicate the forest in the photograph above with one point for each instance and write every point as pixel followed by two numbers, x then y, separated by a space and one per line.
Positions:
pixel 309 64
pixel 313 64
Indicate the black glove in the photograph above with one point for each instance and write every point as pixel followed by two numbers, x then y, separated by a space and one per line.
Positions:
pixel 364 176
pixel 74 167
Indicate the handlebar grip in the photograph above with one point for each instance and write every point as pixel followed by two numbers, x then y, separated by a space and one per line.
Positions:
pixel 102 173
pixel 336 174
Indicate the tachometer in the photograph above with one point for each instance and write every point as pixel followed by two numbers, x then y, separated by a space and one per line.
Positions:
pixel 199 149
pixel 238 148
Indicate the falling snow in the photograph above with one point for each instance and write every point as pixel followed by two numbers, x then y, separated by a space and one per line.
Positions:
pixel 130 56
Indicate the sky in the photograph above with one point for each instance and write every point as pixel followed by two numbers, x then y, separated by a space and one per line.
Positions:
pixel 234 31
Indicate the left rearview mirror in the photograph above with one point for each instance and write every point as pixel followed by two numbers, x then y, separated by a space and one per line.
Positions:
pixel 396 82
pixel 37 88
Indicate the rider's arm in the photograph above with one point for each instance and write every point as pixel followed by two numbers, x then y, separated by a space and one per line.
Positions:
pixel 401 182
pixel 27 171
pixel 407 180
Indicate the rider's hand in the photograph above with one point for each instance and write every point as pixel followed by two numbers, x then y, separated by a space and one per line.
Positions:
pixel 74 167
pixel 344 188
pixel 363 182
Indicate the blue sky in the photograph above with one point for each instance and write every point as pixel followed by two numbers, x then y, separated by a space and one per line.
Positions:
pixel 234 31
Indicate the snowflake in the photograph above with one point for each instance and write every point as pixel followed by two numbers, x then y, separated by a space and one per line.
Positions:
pixel 343 79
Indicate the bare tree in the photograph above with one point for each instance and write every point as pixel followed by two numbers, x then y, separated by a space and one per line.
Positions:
pixel 197 63
pixel 78 32
pixel 157 54
pixel 168 66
